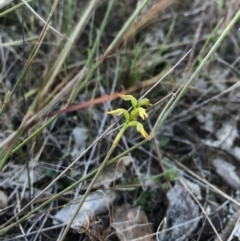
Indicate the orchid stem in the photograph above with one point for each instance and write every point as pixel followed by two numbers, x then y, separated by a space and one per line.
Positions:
pixel 105 161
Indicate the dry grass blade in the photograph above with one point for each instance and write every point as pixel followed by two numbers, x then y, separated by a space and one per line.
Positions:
pixel 207 183
pixel 59 96
pixel 127 47
pixel 201 207
pixel 62 56
pixel 41 19
pixel 169 103
pixel 146 18
pixel 231 227
pixel 114 45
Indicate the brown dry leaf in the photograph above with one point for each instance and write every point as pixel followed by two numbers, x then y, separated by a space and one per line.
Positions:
pixel 111 173
pixel 131 223
pixel 227 172
pixel 3 200
pixel 181 215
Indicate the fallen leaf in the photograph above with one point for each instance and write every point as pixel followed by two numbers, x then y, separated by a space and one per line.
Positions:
pixel 194 187
pixel 227 171
pixel 131 223
pixel 112 172
pixel 181 215
pixel 226 137
pixel 232 228
pixel 79 137
pixel 18 174
pixel 96 203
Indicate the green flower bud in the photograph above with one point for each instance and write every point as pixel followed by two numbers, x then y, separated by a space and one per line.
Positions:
pixel 144 102
pixel 120 111
pixel 129 98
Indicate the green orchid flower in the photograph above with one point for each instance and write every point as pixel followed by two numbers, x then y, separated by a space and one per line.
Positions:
pixel 131 117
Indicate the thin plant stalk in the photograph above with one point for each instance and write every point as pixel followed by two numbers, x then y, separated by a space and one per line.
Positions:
pixel 113 44
pixel 100 169
pixel 218 42
pixel 202 64
pixel 27 66
pixel 15 7
pixel 89 175
pixel 32 55
pixel 5 154
pixel 41 19
pixel 211 36
pixel 103 24
pixel 125 28
pixel 62 56
pixel 92 52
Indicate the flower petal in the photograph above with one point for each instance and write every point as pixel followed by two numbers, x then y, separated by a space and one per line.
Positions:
pixel 115 112
pixel 145 102
pixel 142 113
pixel 125 97
pixel 129 98
pixel 119 112
pixel 142 131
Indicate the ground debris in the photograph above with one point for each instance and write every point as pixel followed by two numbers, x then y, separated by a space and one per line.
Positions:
pixel 79 136
pixel 181 215
pixel 131 223
pixel 232 228
pixel 227 172
pixel 111 173
pixel 96 203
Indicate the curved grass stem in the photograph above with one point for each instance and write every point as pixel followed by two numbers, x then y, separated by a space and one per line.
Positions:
pixel 105 161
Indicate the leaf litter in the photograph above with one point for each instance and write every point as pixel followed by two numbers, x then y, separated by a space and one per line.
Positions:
pixel 182 214
pixel 111 173
pixel 79 137
pixel 96 203
pixel 225 136
pixel 131 223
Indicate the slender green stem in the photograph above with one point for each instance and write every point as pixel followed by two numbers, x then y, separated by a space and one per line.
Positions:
pixel 105 161
pixel 49 79
pixel 28 64
pixel 211 36
pixel 69 188
pixel 113 44
pixel 125 27
pixel 104 22
pixel 31 57
pixel 35 133
pixel 204 61
pixel 15 7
